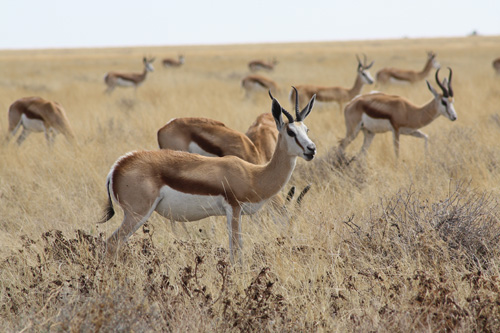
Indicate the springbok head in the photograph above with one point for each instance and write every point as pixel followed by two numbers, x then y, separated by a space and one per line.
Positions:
pixel 363 70
pixel 444 100
pixel 295 131
pixel 148 64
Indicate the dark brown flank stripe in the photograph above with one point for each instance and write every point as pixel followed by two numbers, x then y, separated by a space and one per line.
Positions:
pixel 206 145
pixel 32 115
pixel 375 113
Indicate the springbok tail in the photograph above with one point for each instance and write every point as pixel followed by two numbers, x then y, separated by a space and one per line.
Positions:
pixel 109 211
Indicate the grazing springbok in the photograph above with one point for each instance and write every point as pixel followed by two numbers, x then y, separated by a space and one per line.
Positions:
pixel 386 75
pixel 379 113
pixel 258 82
pixel 337 94
pixel 114 79
pixel 188 187
pixel 256 65
pixel 496 65
pixel 36 114
pixel 170 62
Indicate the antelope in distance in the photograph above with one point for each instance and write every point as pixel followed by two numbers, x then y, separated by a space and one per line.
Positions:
pixel 187 187
pixel 496 65
pixel 386 75
pixel 379 113
pixel 170 62
pixel 114 79
pixel 257 82
pixel 257 65
pixel 36 114
pixel 337 94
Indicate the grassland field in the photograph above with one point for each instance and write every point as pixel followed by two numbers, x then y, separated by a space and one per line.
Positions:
pixel 381 245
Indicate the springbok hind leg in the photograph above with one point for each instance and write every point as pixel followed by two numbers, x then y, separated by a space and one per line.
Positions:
pixel 131 222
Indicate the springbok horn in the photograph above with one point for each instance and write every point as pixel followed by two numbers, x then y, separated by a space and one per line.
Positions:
pixel 445 91
pixel 296 102
pixel 450 91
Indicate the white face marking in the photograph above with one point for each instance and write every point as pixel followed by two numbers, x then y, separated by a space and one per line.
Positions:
pixel 366 77
pixel 33 125
pixel 298 141
pixel 195 149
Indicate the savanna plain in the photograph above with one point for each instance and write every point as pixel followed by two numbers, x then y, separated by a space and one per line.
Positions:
pixel 378 244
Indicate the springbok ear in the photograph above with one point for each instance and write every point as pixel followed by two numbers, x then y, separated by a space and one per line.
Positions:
pixel 434 92
pixel 305 112
pixel 277 114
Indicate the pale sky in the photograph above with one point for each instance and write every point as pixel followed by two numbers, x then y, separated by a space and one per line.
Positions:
pixel 100 23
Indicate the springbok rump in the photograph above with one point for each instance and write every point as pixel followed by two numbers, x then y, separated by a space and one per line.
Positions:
pixel 188 187
pixel 171 62
pixel 379 113
pixel 386 75
pixel 36 114
pixel 256 65
pixel 120 79
pixel 255 82
pixel 339 95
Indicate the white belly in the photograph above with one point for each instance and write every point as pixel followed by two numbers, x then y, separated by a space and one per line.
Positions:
pixel 375 125
pixel 125 83
pixel 195 149
pixel 33 125
pixel 396 81
pixel 179 206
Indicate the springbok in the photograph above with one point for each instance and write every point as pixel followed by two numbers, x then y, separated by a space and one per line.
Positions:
pixel 496 65
pixel 379 113
pixel 386 75
pixel 258 82
pixel 256 65
pixel 170 62
pixel 212 138
pixel 337 94
pixel 114 79
pixel 36 114
pixel 188 187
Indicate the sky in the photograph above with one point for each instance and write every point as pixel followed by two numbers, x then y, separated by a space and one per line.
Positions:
pixel 28 24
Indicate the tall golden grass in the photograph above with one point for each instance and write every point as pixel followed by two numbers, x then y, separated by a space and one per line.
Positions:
pixel 382 245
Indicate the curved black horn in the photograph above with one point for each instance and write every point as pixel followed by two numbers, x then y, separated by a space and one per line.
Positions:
pixel 450 91
pixel 445 91
pixel 359 61
pixel 288 115
pixel 270 95
pixel 296 102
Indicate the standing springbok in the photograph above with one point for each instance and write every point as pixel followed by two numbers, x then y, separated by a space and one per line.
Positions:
pixel 170 62
pixel 496 65
pixel 258 82
pixel 114 79
pixel 379 113
pixel 386 75
pixel 36 114
pixel 337 94
pixel 189 187
pixel 256 65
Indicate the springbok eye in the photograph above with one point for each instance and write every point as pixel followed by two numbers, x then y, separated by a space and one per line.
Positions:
pixel 290 133
pixel 443 102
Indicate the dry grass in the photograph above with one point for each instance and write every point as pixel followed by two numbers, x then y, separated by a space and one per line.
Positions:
pixel 376 246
